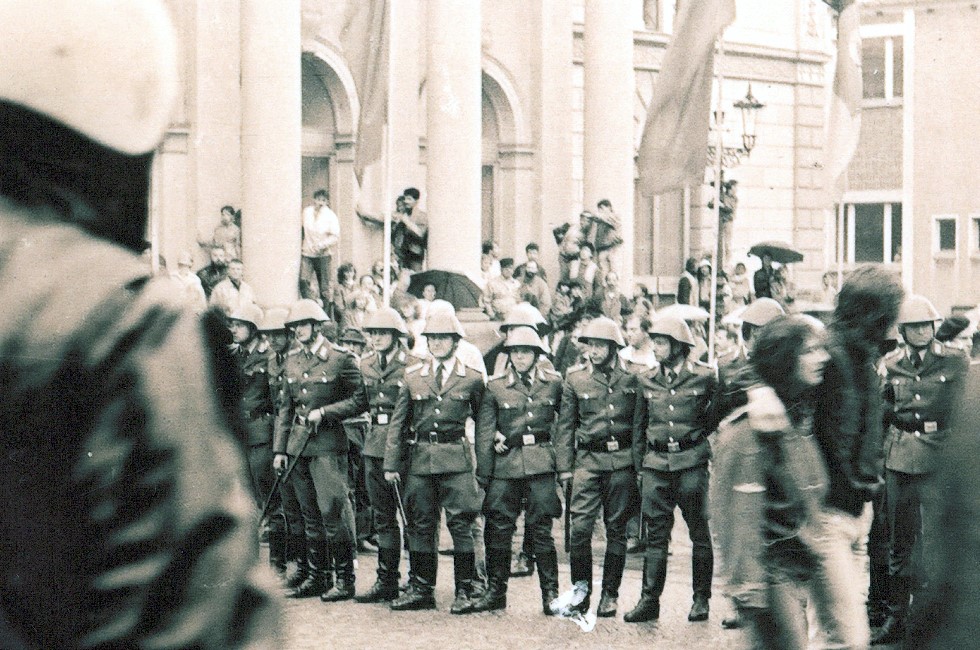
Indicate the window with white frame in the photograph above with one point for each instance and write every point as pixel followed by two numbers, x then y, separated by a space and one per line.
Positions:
pixel 872 232
pixel 882 62
pixel 944 235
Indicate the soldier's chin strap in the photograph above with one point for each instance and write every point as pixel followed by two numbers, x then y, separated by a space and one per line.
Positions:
pixel 46 164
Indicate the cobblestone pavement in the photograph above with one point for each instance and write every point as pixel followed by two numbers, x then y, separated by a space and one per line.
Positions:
pixel 309 624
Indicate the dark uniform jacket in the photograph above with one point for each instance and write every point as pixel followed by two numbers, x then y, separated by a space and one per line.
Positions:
pixel 382 391
pixel 275 372
pixel 918 405
pixel 432 421
pixel 125 522
pixel 596 410
pixel 673 419
pixel 253 360
pixel 320 376
pixel 526 417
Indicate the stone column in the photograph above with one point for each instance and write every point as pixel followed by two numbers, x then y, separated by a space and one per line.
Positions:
pixel 454 115
pixel 271 143
pixel 609 148
pixel 405 44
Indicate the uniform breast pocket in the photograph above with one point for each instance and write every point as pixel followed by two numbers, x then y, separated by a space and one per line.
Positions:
pixel 588 404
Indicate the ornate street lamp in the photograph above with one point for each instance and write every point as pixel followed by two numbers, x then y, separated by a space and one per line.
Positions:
pixel 749 106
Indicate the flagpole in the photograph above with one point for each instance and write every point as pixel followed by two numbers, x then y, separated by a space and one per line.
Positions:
pixel 389 163
pixel 719 155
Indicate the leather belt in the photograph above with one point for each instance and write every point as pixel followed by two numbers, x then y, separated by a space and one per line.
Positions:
pixel 674 446
pixel 438 437
pixel 258 413
pixel 916 427
pixel 527 439
pixel 607 444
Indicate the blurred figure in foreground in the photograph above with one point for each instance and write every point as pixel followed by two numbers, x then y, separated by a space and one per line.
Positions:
pixel 125 504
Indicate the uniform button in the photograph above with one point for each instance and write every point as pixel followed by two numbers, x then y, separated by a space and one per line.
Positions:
pixel 917 434
pixel 304 390
pixel 612 407
pixel 917 396
pixel 438 411
pixel 671 407
pixel 530 415
pixel 381 394
pixel 610 391
pixel 918 417
pixel 610 422
pixel 529 427
pixel 917 378
pixel 671 423
pixel 438 398
pixel 436 425
pixel 305 375
pixel 672 391
pixel 529 400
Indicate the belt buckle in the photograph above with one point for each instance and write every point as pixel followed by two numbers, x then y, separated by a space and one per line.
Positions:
pixel 382 418
pixel 433 437
pixel 930 427
pixel 528 438
pixel 612 445
pixel 673 446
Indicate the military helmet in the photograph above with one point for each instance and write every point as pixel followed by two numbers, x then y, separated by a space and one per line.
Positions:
pixel 603 329
pixel 762 311
pixel 386 318
pixel 523 313
pixel 353 335
pixel 917 309
pixel 251 314
pixel 78 62
pixel 443 322
pixel 672 327
pixel 305 310
pixel 521 336
pixel 274 320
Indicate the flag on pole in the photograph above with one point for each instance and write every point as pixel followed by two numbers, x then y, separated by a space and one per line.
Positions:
pixel 673 149
pixel 365 39
pixel 844 123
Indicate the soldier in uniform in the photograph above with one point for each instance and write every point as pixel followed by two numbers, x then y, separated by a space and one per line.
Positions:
pixel 253 365
pixel 922 380
pixel 593 449
pixel 427 445
pixel 384 375
pixel 515 461
pixel 736 376
pixel 126 521
pixel 321 387
pixel 671 453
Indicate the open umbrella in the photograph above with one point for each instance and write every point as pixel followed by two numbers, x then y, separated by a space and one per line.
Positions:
pixel 455 288
pixel 779 251
pixel 684 312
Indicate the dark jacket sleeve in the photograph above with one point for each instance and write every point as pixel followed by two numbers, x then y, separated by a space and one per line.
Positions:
pixel 683 290
pixel 565 431
pixel 396 443
pixel 352 385
pixel 486 428
pixel 639 428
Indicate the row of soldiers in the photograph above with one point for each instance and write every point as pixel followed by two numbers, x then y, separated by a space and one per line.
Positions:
pixel 617 436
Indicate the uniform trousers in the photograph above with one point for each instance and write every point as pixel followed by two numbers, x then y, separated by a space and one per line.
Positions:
pixel 664 491
pixel 912 507
pixel 613 492
pixel 324 496
pixel 384 503
pixel 426 495
pixel 502 507
pixel 263 478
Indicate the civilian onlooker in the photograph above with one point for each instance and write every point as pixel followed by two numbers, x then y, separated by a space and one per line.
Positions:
pixel 410 311
pixel 428 296
pixel 227 234
pixel 585 270
pixel 607 237
pixel 533 254
pixel 534 290
pixel 378 273
pixel 190 284
pixel 687 286
pixel 367 286
pixel 762 279
pixel 565 302
pixel 491 251
pixel 741 286
pixel 214 272
pixel 614 304
pixel 232 293
pixel 501 292
pixel 639 345
pixel 828 290
pixel 399 293
pixel 642 301
pixel 410 233
pixel 321 232
pixel 779 288
pixel 572 237
pixel 343 292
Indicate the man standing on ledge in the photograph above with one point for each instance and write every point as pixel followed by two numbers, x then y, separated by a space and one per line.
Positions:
pixel 321 232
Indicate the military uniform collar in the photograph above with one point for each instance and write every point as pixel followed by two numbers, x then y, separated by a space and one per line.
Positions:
pixel 451 362
pixel 319 344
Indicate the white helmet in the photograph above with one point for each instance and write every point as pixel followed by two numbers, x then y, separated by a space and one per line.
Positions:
pixel 105 68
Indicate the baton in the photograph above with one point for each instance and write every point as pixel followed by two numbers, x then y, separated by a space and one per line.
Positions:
pixel 643 520
pixel 568 515
pixel 281 478
pixel 401 507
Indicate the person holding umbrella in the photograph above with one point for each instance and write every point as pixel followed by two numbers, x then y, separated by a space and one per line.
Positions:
pixel 763 278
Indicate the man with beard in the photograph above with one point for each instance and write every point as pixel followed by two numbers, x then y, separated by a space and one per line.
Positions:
pixel 593 444
pixel 126 521
pixel 214 272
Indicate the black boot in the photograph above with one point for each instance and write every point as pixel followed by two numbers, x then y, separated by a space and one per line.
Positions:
pixel 702 567
pixel 498 572
pixel 548 577
pixel 277 552
pixel 612 577
pixel 581 566
pixel 654 575
pixel 385 588
pixel 878 595
pixel 464 570
pixel 421 585
pixel 317 560
pixel 343 589
pixel 893 629
pixel 296 550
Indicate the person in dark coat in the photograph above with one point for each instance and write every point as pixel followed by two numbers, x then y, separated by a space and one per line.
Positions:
pixel 687 286
pixel 763 279
pixel 126 520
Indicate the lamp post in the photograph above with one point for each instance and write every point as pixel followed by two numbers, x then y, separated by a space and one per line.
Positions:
pixel 730 157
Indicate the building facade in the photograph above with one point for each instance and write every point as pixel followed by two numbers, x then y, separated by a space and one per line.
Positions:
pixel 510 117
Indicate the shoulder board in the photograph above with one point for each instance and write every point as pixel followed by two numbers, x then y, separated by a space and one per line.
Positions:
pixel 949 347
pixel 292 351
pixel 414 368
pixel 577 368
pixel 894 355
pixel 550 373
